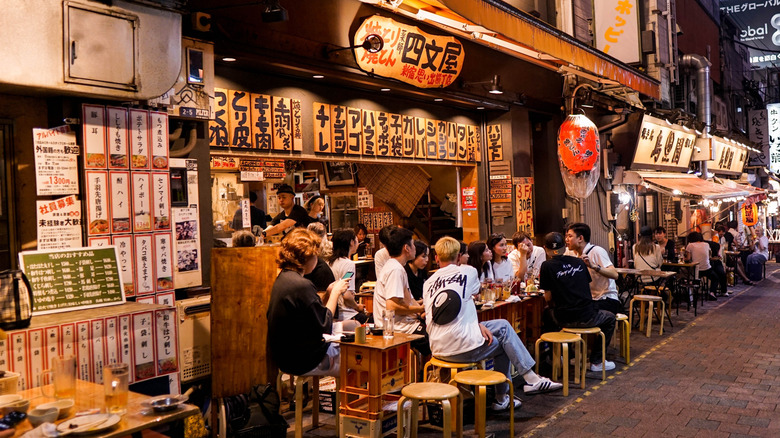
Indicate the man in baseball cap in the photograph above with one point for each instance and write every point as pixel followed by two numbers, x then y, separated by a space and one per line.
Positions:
pixel 291 216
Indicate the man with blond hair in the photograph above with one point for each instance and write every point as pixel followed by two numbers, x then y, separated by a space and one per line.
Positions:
pixel 456 335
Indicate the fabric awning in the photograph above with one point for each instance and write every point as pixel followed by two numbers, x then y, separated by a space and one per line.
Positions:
pixel 510 30
pixel 756 194
pixel 692 186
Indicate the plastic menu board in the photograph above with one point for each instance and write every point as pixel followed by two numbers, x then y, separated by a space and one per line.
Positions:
pixel 71 279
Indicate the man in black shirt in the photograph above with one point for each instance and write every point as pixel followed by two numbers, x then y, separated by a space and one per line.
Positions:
pixel 565 280
pixel 257 215
pixel 292 215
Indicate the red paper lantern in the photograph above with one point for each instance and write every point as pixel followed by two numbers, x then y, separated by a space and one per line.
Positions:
pixel 578 144
pixel 749 214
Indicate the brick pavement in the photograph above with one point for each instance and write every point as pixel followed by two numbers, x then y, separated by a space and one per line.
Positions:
pixel 715 375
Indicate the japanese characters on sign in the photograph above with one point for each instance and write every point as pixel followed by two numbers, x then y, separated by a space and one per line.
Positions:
pixel 144 264
pixel 524 205
pixel 500 190
pixel 140 149
pixel 161 201
pixel 218 127
pixel 663 146
pixel 159 136
pixel 375 218
pixel 773 126
pixel 163 245
pixel 729 158
pixel 409 54
pixel 94 134
pixel 56 156
pixel 495 144
pixel 59 223
pixel 142 202
pixel 120 202
pixel 98 206
pixel 617 29
pixel 117 138
pixel 36 355
pixel 282 124
pixel 469 198
pixel 758 130
pixel 97 339
pixel 97 242
pixel 124 250
pixel 167 347
pixel 143 346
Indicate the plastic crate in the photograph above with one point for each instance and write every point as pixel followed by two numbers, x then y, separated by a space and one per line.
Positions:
pixel 9 383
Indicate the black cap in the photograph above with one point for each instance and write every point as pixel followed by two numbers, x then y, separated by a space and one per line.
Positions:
pixel 285 188
pixel 646 231
pixel 311 200
pixel 554 241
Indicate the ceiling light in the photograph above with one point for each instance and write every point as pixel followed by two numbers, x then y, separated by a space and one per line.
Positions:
pixel 318 76
pixel 676 192
pixel 438 99
pixel 229 59
pixel 495 85
pixel 273 12
pixel 480 107
pixel 384 89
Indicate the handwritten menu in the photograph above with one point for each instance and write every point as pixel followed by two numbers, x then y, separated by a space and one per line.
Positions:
pixel 72 279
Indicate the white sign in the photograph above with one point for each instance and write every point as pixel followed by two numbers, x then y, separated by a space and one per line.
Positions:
pixel 758 131
pixel 661 146
pixel 59 223
pixel 773 126
pixel 729 158
pixel 251 175
pixel 246 214
pixel 617 29
pixel 56 158
pixel 365 199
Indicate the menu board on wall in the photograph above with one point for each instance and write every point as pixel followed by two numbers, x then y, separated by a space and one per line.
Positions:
pixel 117 138
pixel 56 157
pixel 159 138
pixel 161 201
pixel 94 135
pixel 144 264
pixel 524 205
pixel 120 202
pixel 124 248
pixel 98 207
pixel 164 270
pixel 72 279
pixel 142 213
pixel 59 223
pixel 139 139
pixel 500 189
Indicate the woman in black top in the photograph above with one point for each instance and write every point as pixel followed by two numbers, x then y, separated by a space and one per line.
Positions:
pixel 297 319
pixel 364 243
pixel 417 269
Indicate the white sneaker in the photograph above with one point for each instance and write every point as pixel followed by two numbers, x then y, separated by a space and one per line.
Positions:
pixel 608 365
pixel 502 405
pixel 543 385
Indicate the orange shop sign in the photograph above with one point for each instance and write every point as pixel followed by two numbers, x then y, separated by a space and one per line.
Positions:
pixel 409 54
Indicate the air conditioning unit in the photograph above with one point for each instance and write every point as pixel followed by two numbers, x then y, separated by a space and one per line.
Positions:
pixel 194 337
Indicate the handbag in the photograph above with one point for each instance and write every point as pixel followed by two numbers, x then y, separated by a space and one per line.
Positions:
pixel 16 300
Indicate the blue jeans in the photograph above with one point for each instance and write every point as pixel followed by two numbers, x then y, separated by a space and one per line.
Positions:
pixel 506 348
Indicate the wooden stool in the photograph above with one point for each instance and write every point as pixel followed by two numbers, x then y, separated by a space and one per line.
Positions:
pixel 454 367
pixel 430 391
pixel 315 406
pixel 646 300
pixel 624 327
pixel 592 331
pixel 562 339
pixel 656 290
pixel 480 379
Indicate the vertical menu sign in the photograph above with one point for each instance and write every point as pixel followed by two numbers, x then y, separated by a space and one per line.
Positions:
pixel 56 155
pixel 71 279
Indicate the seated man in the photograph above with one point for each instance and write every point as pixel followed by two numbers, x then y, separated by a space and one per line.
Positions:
pixel 456 335
pixel 565 280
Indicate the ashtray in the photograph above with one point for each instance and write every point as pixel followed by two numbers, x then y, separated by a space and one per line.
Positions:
pixel 164 403
pixel 377 331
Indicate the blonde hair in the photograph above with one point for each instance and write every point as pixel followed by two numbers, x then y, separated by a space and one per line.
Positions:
pixel 298 247
pixel 447 249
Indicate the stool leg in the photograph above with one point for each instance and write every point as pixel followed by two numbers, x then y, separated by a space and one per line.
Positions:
pixel 336 409
pixel 649 317
pixel 536 351
pixel 298 406
pixel 663 313
pixel 628 344
pixel 459 413
pixel 642 308
pixel 631 314
pixel 603 356
pixel 479 417
pixel 447 409
pixel 584 359
pixel 315 402
pixel 511 408
pixel 577 364
pixel 400 417
pixel 413 421
pixel 565 348
pixel 556 360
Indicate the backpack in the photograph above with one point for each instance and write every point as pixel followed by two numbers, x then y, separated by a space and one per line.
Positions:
pixel 16 300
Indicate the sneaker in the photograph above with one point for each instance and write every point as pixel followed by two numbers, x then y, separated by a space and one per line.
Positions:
pixel 543 385
pixel 608 365
pixel 504 405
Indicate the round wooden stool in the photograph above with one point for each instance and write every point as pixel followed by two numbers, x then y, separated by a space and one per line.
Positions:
pixel 624 328
pixel 562 340
pixel 591 331
pixel 315 407
pixel 454 367
pixel 430 391
pixel 646 300
pixel 480 379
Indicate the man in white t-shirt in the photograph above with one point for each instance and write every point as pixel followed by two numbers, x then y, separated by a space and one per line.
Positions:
pixel 603 288
pixel 524 248
pixel 382 256
pixel 392 290
pixel 456 335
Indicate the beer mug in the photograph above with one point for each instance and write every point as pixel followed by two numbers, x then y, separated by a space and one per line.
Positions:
pixel 63 377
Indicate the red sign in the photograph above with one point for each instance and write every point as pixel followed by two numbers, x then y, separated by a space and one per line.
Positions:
pixel 469 198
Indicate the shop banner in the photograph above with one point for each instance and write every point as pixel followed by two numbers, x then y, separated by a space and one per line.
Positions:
pixel 117 138
pixel 469 198
pixel 495 145
pixel 218 127
pixel 409 54
pixel 59 223
pixel 616 24
pixel 759 134
pixel 94 136
pixel 56 158
pixel 663 146
pixel 238 117
pixel 773 124
pixel 524 205
pixel 282 116
pixel 729 157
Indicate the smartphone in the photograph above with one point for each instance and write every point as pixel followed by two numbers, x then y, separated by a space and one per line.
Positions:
pixel 347 275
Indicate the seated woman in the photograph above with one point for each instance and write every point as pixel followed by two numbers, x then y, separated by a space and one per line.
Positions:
pixel 739 268
pixel 344 245
pixel 648 255
pixel 295 311
pixel 500 264
pixel 364 243
pixel 480 257
pixel 417 269
pixel 698 251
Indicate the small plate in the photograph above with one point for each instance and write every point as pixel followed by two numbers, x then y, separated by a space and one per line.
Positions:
pixel 76 422
pixel 164 403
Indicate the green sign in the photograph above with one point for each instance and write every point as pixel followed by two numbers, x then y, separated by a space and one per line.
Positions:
pixel 71 279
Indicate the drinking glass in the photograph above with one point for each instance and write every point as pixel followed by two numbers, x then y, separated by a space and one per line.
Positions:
pixel 388 324
pixel 63 377
pixel 115 385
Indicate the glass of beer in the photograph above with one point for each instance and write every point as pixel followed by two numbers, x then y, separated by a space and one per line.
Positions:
pixel 63 377
pixel 115 385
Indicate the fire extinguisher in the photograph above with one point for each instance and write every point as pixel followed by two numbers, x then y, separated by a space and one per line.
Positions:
pixel 620 253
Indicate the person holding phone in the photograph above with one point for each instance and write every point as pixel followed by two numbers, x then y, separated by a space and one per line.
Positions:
pixel 345 244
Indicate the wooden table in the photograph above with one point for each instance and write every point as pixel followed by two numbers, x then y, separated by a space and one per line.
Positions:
pixel 368 373
pixel 90 396
pixel 687 272
pixel 525 316
pixel 633 276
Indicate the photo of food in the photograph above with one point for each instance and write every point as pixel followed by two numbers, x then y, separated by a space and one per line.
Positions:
pixel 186 230
pixel 187 260
pixel 129 289
pixel 140 161
pixel 98 226
pixel 96 160
pixel 120 225
pixel 164 283
pixel 144 371
pixel 118 160
pixel 162 223
pixel 160 162
pixel 167 366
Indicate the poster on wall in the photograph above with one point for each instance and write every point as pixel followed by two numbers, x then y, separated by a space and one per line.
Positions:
pixel 98 207
pixel 120 201
pixel 124 250
pixel 144 264
pixel 158 124
pixel 117 138
pixel 469 198
pixel 59 223
pixel 161 201
pixel 139 139
pixel 56 158
pixel 187 247
pixel 142 213
pixel 94 136
pixel 524 205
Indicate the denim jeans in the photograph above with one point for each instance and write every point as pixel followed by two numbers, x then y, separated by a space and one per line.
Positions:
pixel 606 322
pixel 506 348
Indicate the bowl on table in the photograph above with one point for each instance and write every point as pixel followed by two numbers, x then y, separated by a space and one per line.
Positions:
pixel 15 406
pixel 479 304
pixel 64 407
pixel 39 416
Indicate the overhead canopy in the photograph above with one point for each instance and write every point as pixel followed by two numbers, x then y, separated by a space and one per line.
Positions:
pixel 505 28
pixel 755 193
pixel 686 185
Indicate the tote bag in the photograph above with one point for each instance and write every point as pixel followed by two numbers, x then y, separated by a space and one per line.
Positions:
pixel 16 300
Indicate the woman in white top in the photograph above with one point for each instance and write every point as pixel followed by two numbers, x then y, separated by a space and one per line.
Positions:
pixel 698 251
pixel 502 267
pixel 479 257
pixel 648 255
pixel 345 244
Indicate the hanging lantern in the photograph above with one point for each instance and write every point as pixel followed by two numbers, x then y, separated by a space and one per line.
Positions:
pixel 749 214
pixel 578 155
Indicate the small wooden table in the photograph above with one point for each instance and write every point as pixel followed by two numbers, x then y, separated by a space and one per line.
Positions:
pixel 90 396
pixel 632 283
pixel 687 272
pixel 524 315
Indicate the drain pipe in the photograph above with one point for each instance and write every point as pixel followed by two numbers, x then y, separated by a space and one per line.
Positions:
pixel 703 94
